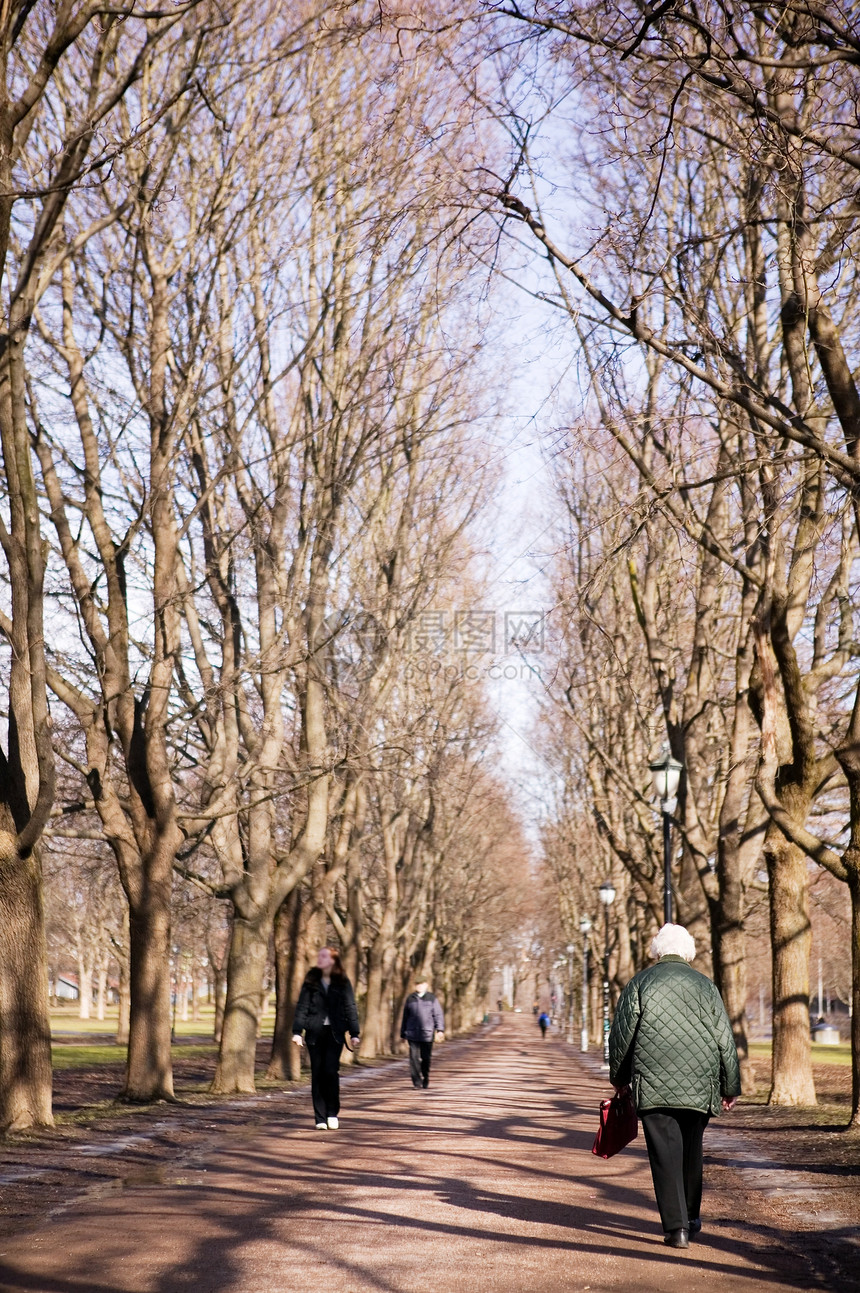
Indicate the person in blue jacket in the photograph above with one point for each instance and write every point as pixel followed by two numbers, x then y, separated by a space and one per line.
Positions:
pixel 544 1022
pixel 423 1022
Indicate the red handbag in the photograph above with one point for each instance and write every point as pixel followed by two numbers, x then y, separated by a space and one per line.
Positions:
pixel 618 1124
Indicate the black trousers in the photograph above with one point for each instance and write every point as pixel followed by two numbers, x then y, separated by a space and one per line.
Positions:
pixel 419 1062
pixel 674 1140
pixel 324 1053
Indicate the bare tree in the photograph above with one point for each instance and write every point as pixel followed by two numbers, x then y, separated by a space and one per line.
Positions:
pixel 329 372
pixel 722 262
pixel 66 71
pixel 126 554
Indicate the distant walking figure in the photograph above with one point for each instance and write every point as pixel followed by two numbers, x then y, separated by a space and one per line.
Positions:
pixel 326 1012
pixel 422 1022
pixel 672 1042
pixel 544 1022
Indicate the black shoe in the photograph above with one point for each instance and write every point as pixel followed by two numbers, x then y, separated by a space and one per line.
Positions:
pixel 677 1238
pixel 417 1086
pixel 695 1226
pixel 425 1083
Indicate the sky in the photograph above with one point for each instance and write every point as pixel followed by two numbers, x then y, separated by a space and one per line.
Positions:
pixel 522 541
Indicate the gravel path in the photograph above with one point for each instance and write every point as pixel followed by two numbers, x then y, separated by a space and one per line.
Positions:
pixel 484 1182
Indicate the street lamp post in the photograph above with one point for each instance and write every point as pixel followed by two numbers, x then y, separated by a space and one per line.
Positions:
pixel 570 992
pixel 607 897
pixel 666 775
pixel 585 930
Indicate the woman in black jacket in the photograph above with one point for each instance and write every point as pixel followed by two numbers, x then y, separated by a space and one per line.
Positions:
pixel 326 1012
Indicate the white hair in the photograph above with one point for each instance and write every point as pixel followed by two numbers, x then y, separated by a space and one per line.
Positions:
pixel 673 940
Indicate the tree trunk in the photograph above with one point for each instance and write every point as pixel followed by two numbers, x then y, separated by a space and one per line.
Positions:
pixel 729 949
pixel 730 972
pixel 379 1003
pixel 736 857
pixel 285 1059
pixel 265 1000
pixel 121 950
pixel 220 989
pixel 405 987
pixel 595 1002
pixel 195 991
pixel 85 989
pixel 25 1028
pixel 853 866
pixel 246 969
pixel 27 777
pixel 373 1031
pixel 471 1014
pixel 791 937
pixel 624 968
pixel 124 1004
pixel 460 1008
pixel 149 1074
pixel 354 930
pixel 102 991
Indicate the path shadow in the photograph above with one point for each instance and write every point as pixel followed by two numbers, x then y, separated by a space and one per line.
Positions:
pixel 305 1198
pixel 283 1211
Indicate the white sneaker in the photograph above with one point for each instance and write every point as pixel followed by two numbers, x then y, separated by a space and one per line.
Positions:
pixel 333 1124
pixel 322 1126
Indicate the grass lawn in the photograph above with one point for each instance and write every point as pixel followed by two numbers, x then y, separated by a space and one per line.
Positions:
pixel 88 1043
pixel 820 1054
pixel 65 1022
pixel 68 1055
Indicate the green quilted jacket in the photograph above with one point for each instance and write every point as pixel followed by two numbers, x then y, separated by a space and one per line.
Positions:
pixel 672 1042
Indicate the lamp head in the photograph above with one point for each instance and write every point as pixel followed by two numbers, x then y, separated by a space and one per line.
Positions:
pixel 607 893
pixel 666 775
pixel 585 925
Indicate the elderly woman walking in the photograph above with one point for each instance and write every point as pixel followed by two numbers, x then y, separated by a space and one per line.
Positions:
pixel 671 1041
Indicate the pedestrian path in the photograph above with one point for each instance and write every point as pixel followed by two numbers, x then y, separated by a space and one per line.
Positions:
pixel 484 1182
